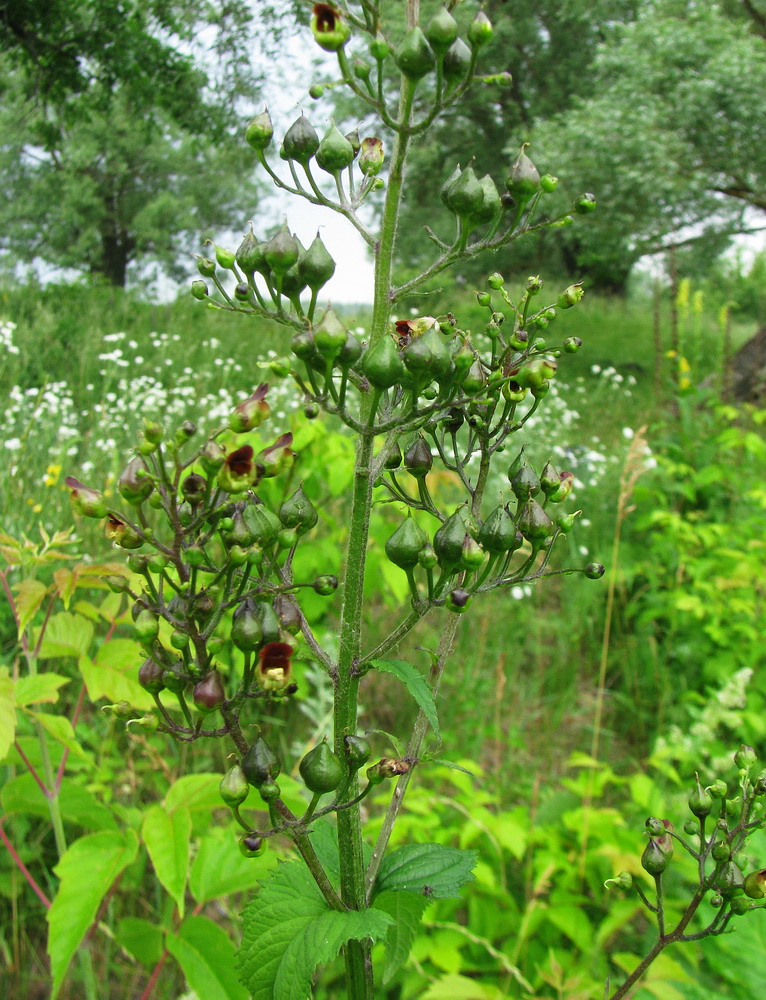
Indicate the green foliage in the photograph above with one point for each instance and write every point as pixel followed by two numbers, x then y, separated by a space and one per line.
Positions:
pixel 683 154
pixel 87 870
pixel 433 870
pixel 104 112
pixel 288 929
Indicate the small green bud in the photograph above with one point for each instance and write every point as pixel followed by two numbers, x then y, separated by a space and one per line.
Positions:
pixel 480 30
pixel 379 48
pixel 199 289
pixel 594 570
pixel 570 296
pixel 371 156
pixel 260 130
pixel 225 257
pixel 585 203
pixel 523 181
pixel 572 345
pixel 325 585
pixel 719 789
pixel 745 757
pixel 549 183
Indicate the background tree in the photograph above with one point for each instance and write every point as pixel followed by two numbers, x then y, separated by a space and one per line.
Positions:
pixel 656 107
pixel 671 138
pixel 105 107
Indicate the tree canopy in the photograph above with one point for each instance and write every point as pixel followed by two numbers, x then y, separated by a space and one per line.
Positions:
pixel 654 105
pixel 121 127
pixel 671 137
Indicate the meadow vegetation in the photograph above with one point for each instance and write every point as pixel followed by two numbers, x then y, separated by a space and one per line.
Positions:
pixel 552 813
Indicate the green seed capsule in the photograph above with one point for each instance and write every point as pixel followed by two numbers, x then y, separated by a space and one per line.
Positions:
pixel 335 152
pixel 300 142
pixel 457 62
pixel 382 364
pixel 322 771
pixel 259 132
pixel 404 546
pixel 234 788
pixel 413 55
pixel 260 764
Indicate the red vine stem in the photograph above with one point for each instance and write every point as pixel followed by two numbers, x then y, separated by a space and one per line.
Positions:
pixel 23 868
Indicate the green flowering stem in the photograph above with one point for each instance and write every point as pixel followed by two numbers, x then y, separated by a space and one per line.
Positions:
pixel 413 750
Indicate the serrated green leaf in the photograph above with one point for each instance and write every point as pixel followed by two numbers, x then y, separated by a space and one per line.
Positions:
pixel 78 806
pixel 432 870
pixel 206 955
pixel 288 929
pixel 66 634
pixel 38 687
pixel 7 712
pixel 87 870
pixel 30 594
pixel 219 867
pixel 407 910
pixel 144 940
pixel 287 900
pixel 320 942
pixel 103 681
pixel 167 836
pixel 416 684
pixel 60 728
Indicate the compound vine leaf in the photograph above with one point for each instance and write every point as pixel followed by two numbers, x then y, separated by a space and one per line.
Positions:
pixel 167 837
pixel 435 871
pixel 205 953
pixel 416 684
pixel 87 870
pixel 289 929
